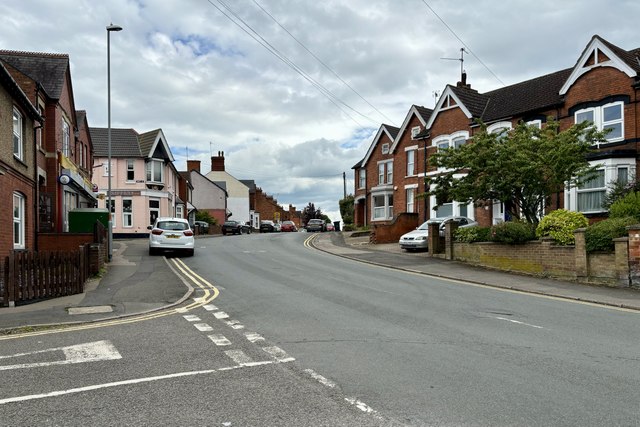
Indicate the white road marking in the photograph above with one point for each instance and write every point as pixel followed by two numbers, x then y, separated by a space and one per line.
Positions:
pixel 221 315
pixel 192 318
pixel 101 386
pixel 210 307
pixel 279 354
pixel 235 324
pixel 81 353
pixel 360 405
pixel 322 380
pixel 203 327
pixel 239 357
pixel 219 340
pixel 518 322
pixel 253 337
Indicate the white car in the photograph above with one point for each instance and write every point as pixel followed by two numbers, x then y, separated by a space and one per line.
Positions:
pixel 418 238
pixel 172 234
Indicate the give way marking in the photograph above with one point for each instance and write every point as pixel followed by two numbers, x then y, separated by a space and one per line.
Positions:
pixel 80 353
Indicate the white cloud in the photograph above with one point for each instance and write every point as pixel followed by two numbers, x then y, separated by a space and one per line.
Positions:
pixel 184 67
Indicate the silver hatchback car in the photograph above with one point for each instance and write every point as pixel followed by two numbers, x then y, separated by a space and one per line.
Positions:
pixel 171 234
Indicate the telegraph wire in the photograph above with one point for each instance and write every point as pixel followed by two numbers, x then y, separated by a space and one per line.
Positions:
pixel 463 43
pixel 274 51
pixel 322 62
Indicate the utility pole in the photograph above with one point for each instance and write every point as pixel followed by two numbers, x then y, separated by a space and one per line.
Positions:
pixel 344 180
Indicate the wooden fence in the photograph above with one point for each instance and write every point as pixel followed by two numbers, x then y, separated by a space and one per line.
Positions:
pixel 33 276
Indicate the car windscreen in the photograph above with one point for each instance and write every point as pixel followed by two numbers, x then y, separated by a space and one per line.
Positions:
pixel 173 225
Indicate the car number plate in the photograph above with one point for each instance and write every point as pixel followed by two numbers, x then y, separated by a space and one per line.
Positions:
pixel 173 236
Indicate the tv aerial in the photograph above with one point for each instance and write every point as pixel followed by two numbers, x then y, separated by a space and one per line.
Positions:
pixel 461 59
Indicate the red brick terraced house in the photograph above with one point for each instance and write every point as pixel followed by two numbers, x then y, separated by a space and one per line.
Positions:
pixel 387 179
pixel 63 145
pixel 18 174
pixel 602 87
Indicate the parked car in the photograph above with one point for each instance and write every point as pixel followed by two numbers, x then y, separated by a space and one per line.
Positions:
pixel 172 234
pixel 315 225
pixel 418 238
pixel 267 226
pixel 235 227
pixel 288 226
pixel 330 227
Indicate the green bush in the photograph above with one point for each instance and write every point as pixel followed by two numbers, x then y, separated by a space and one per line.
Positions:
pixel 473 234
pixel 599 236
pixel 513 232
pixel 560 225
pixel 628 206
pixel 348 227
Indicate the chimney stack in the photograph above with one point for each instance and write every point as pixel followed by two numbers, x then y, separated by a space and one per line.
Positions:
pixel 217 162
pixel 193 165
pixel 463 81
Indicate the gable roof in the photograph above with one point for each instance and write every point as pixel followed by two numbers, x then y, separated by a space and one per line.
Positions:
pixel 16 92
pixel 48 69
pixel 605 54
pixel 124 142
pixel 422 113
pixel 215 183
pixel 390 131
pixel 153 140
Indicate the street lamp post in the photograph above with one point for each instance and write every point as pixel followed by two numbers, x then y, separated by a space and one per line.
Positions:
pixel 110 28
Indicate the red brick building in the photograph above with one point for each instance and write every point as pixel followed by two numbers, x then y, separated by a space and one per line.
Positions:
pixel 602 87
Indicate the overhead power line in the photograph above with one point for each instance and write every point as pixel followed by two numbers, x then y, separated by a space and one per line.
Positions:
pixel 274 51
pixel 463 43
pixel 321 61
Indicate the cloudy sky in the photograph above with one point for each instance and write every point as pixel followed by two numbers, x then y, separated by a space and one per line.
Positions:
pixel 294 91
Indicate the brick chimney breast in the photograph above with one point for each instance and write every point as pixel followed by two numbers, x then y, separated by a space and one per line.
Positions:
pixel 217 162
pixel 193 165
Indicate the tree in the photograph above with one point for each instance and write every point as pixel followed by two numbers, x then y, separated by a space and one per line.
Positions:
pixel 522 168
pixel 347 209
pixel 204 216
pixel 310 212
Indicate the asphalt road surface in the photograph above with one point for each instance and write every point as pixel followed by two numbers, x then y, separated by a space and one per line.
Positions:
pixel 425 351
pixel 280 334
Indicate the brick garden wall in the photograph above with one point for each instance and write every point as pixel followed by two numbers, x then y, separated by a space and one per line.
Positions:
pixel 390 233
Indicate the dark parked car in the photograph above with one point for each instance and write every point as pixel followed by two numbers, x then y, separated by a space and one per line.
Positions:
pixel 267 226
pixel 315 225
pixel 235 227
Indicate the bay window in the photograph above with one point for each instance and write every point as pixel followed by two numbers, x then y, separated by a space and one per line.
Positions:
pixel 382 206
pixel 155 171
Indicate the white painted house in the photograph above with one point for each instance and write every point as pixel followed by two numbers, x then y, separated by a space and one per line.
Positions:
pixel 237 192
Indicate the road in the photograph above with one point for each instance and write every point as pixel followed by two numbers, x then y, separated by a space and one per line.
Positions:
pixel 282 334
pixel 433 352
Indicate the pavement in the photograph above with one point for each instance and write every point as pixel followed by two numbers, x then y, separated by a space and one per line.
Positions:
pixel 135 283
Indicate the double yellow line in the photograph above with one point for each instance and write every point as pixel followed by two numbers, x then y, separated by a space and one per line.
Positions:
pixel 210 294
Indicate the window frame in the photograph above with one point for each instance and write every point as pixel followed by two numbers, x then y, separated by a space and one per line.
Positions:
pixel 152 165
pixel 131 169
pixel 127 214
pixel 383 212
pixel 19 221
pixel 410 194
pixel 362 178
pixel 411 162
pixel 66 138
pixel 599 122
pixel 18 134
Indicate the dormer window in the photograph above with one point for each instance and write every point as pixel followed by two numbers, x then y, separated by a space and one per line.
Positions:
pixel 385 148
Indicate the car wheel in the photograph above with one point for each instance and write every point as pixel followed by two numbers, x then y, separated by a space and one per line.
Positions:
pixel 190 252
pixel 152 251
